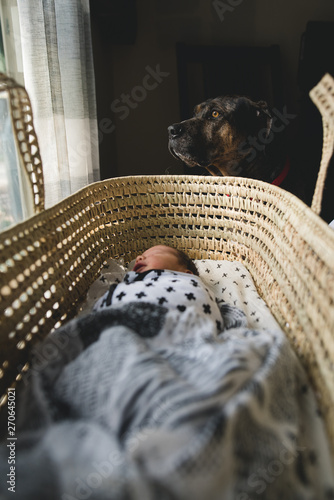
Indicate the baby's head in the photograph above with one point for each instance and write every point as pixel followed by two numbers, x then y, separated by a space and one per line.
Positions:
pixel 164 257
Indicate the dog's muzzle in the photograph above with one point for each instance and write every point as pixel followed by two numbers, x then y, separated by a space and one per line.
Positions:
pixel 180 144
pixel 175 130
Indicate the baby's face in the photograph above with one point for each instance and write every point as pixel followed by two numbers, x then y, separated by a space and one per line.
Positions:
pixel 159 257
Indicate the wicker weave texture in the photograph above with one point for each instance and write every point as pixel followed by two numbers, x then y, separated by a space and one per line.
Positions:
pixel 25 136
pixel 49 261
pixel 323 97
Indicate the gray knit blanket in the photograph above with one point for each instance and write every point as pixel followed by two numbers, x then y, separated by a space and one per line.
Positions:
pixel 143 403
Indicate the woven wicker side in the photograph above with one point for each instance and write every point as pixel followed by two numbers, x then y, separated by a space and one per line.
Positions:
pixel 25 136
pixel 323 97
pixel 49 261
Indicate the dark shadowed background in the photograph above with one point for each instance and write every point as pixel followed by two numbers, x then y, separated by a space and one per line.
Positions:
pixel 148 57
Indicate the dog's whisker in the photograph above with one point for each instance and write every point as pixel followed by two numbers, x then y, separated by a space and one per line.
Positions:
pixel 173 169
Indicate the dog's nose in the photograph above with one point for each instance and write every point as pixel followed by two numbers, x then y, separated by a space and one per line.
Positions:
pixel 175 130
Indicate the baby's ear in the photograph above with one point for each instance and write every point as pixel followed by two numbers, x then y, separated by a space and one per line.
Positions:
pixel 188 271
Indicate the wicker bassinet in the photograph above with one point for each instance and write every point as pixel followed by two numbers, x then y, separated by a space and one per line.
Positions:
pixel 49 261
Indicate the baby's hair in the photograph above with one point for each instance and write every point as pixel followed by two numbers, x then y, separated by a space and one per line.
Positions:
pixel 187 261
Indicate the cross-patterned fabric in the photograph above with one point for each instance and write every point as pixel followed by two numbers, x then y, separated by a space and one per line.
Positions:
pixel 171 289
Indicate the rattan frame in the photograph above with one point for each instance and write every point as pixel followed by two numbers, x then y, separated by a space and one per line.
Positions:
pixel 49 261
pixel 25 137
pixel 323 97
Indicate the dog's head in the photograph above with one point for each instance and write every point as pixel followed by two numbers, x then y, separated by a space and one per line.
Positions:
pixel 219 132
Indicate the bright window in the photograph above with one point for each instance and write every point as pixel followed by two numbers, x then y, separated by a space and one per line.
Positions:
pixel 15 192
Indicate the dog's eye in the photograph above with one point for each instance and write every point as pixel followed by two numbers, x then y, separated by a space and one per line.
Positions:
pixel 215 114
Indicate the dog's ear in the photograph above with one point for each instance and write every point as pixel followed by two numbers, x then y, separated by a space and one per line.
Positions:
pixel 197 109
pixel 249 117
pixel 262 108
pixel 264 116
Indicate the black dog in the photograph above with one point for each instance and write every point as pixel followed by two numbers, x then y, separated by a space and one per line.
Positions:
pixel 234 136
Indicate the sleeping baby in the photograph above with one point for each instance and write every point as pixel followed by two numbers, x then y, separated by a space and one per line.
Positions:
pixel 164 276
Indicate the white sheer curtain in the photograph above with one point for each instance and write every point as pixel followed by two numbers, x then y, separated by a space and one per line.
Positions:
pixel 59 77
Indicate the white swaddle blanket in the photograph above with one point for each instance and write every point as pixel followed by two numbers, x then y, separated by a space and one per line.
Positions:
pixel 141 402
